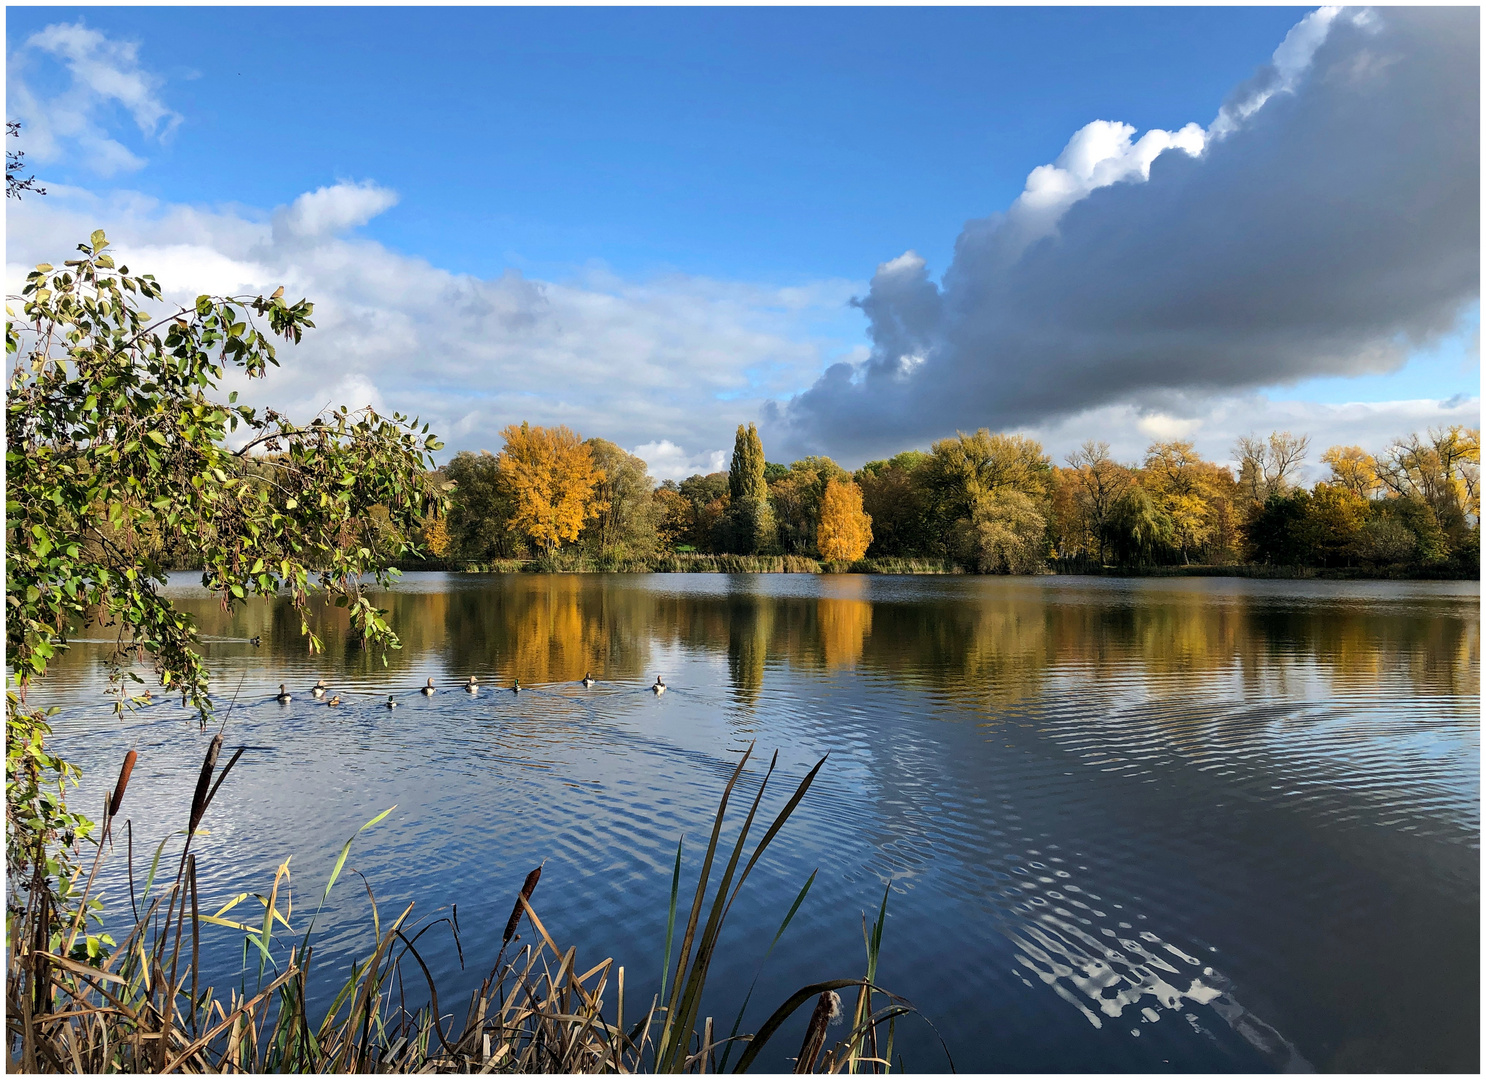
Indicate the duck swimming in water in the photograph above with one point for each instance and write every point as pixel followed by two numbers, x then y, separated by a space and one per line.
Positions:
pixel 429 688
pixel 472 685
pixel 335 699
pixel 318 690
pixel 659 687
pixel 391 702
pixel 282 697
pixel 255 640
pixel 587 680
pixel 516 686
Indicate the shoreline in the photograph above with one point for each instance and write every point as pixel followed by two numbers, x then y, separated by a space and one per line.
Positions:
pixel 797 564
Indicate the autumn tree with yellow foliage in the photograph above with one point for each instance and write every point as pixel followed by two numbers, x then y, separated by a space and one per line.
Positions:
pixel 845 529
pixel 1352 468
pixel 551 474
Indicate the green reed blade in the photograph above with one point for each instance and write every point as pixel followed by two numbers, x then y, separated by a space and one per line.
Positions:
pixel 691 1001
pixel 669 1034
pixel 783 1013
pixel 665 969
pixel 799 899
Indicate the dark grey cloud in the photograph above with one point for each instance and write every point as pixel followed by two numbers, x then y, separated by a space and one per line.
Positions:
pixel 1330 225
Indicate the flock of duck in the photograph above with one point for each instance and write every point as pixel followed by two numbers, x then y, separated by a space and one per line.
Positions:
pixel 470 685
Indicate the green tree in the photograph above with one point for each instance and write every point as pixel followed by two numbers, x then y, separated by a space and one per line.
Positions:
pixel 895 499
pixel 482 509
pixel 1007 533
pixel 796 501
pixel 1139 530
pixel 750 521
pixel 1338 514
pixel 1284 531
pixel 969 479
pixel 746 472
pixel 1443 470
pixel 113 435
pixel 706 526
pixel 626 525
pixel 1403 530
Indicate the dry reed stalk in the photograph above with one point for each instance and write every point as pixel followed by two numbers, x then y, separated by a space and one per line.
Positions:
pixel 538 1013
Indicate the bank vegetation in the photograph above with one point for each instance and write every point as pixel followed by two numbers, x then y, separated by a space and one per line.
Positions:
pixel 978 502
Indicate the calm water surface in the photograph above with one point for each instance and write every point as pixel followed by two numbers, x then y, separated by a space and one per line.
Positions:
pixel 1146 825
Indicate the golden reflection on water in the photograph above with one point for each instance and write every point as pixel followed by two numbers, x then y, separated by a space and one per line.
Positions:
pixel 995 642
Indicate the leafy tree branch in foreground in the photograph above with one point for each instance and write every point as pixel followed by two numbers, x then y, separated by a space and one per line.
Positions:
pixel 118 452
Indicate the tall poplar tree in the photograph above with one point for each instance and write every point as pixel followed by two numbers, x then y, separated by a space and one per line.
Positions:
pixel 746 475
pixel 750 521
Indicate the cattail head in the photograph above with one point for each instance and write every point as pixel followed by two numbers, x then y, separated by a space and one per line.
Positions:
pixel 827 1008
pixel 204 781
pixel 526 890
pixel 113 804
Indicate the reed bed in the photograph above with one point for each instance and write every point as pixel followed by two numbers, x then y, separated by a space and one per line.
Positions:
pixel 141 1007
pixel 691 563
pixel 685 562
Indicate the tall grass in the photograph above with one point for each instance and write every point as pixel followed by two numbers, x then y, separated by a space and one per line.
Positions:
pixel 141 1007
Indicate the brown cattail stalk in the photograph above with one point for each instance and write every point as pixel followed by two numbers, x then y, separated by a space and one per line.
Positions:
pixel 203 782
pixel 526 890
pixel 118 796
pixel 827 1008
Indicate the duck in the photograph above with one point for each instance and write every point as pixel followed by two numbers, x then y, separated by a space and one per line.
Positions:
pixel 659 687
pixel 282 697
pixel 587 680
pixel 255 640
pixel 472 685
pixel 391 702
pixel 145 696
pixel 318 690
pixel 429 688
pixel 335 699
pixel 516 686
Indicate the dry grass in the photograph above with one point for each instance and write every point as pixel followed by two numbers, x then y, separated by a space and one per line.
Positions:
pixel 140 1008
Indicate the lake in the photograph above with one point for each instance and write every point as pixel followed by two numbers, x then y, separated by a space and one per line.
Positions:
pixel 1125 824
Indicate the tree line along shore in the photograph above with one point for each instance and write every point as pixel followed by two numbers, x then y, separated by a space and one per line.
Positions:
pixel 973 503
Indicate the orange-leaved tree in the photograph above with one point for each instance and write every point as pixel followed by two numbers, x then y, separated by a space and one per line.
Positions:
pixel 845 528
pixel 552 476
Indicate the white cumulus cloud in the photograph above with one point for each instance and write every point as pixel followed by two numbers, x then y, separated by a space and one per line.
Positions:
pixel 660 365
pixel 1326 223
pixel 101 73
pixel 334 209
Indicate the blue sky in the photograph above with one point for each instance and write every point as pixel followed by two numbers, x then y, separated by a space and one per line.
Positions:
pixel 668 182
pixel 730 142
